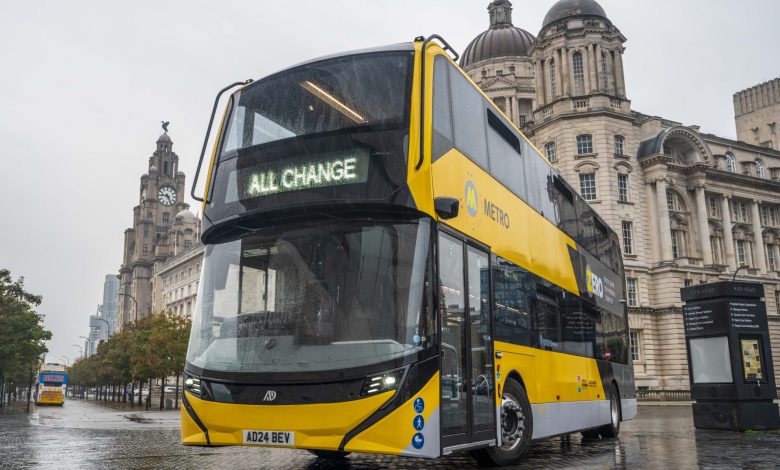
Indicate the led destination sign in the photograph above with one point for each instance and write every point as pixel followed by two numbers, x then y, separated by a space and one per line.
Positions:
pixel 313 171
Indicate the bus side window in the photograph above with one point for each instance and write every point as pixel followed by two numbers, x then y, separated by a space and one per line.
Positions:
pixel 547 309
pixel 513 318
pixel 442 111
pixel 468 118
pixel 506 163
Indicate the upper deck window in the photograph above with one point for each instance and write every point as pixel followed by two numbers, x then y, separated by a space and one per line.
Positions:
pixel 358 92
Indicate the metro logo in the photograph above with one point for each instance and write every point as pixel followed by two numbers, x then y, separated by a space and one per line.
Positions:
pixel 471 198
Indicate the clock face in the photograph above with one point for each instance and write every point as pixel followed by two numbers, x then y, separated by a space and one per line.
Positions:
pixel 167 196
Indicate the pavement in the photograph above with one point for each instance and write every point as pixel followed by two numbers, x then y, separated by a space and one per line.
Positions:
pixel 87 435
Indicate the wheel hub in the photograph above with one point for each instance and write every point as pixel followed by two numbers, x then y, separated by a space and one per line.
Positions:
pixel 512 423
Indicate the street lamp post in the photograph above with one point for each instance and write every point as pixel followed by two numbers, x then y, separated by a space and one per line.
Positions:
pixel 80 349
pixel 67 360
pixel 108 327
pixel 88 345
pixel 135 302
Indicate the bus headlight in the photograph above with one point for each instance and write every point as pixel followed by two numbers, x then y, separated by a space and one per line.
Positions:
pixel 382 382
pixel 192 385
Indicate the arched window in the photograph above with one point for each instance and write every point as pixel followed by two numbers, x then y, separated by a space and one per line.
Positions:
pixel 760 172
pixel 579 73
pixel 553 81
pixel 731 164
pixel 552 152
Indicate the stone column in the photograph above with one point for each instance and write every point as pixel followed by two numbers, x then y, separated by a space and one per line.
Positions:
pixel 758 240
pixel 540 85
pixel 664 226
pixel 599 71
pixel 565 75
pixel 559 72
pixel 620 79
pixel 728 236
pixel 704 226
pixel 592 76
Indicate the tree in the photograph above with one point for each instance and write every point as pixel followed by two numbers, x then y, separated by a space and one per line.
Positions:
pixel 22 335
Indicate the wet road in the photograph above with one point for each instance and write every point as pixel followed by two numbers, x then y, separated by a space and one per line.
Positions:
pixel 85 435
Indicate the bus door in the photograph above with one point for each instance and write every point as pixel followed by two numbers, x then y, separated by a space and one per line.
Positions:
pixel 468 409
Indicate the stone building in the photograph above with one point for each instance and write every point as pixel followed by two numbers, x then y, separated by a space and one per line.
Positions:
pixel 757 111
pixel 162 227
pixel 179 279
pixel 689 207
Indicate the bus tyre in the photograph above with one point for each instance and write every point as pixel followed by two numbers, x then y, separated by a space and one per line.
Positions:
pixel 517 427
pixel 613 428
pixel 328 454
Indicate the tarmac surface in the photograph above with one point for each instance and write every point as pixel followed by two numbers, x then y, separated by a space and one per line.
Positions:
pixel 86 435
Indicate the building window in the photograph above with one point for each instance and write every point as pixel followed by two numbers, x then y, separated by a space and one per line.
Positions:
pixel 715 249
pixel 552 152
pixel 588 186
pixel 760 170
pixel 636 354
pixel 146 249
pixel 622 188
pixel 741 252
pixel 676 244
pixel 777 301
pixel 579 74
pixel 688 282
pixel 146 231
pixel 499 72
pixel 149 215
pixel 604 72
pixel 165 218
pixel 739 211
pixel 553 81
pixel 628 238
pixel 713 208
pixel 674 202
pixel 731 164
pixel 632 292
pixel 619 141
pixel 584 144
pixel 770 256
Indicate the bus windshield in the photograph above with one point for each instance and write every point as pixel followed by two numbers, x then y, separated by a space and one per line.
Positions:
pixel 363 90
pixel 315 298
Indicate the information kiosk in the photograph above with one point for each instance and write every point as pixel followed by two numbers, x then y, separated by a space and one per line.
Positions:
pixel 729 357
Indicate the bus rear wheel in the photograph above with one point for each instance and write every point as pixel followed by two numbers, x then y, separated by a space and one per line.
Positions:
pixel 517 427
pixel 328 454
pixel 613 428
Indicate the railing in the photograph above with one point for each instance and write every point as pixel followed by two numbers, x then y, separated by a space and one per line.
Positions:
pixel 663 395
pixel 547 112
pixel 616 103
pixel 581 103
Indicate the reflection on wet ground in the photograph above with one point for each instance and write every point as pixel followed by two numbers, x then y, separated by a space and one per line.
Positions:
pixel 85 435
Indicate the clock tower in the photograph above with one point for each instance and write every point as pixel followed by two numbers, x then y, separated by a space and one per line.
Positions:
pixel 162 227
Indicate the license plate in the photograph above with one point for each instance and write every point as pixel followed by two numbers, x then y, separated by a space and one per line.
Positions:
pixel 269 438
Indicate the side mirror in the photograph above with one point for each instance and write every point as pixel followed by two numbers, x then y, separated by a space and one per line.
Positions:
pixel 446 207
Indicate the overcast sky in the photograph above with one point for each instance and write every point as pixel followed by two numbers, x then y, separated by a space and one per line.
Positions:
pixel 84 86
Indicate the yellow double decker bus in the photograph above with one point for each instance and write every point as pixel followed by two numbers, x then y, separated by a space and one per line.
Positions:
pixel 391 267
pixel 51 382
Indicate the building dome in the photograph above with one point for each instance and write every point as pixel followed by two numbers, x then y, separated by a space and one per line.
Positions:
pixel 569 8
pixel 502 39
pixel 164 138
pixel 185 216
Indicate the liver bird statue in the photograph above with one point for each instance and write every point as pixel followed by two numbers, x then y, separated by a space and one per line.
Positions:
pixel 165 125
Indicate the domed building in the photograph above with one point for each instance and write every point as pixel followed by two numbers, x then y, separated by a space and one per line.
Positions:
pixel 499 61
pixel 689 207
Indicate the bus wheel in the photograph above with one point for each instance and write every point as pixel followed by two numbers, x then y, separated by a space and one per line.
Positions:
pixel 328 454
pixel 517 427
pixel 613 428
